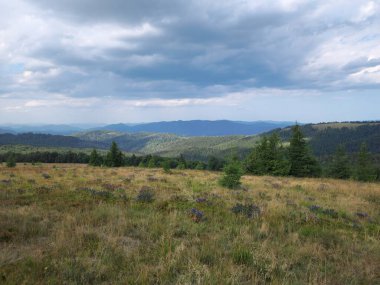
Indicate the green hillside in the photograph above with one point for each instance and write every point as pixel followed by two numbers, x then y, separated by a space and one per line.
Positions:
pixel 323 138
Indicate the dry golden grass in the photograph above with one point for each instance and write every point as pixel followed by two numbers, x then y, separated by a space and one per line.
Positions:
pixel 75 224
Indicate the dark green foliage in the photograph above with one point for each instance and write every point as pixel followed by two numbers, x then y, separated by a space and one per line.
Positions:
pixel 214 163
pixel 181 162
pixel 200 166
pixel 115 157
pixel 250 210
pixel 95 158
pixel 302 163
pixel 47 157
pixel 242 257
pixel 326 137
pixel 268 157
pixel 232 174
pixel 340 165
pixel 152 162
pixel 11 161
pixel 166 166
pixel 365 170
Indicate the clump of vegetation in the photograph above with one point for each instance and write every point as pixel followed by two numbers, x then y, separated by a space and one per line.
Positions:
pixel 302 163
pixel 232 174
pixel 95 158
pixel 115 157
pixel 242 256
pixel 46 175
pixel 196 215
pixel 145 195
pixel 268 158
pixel 11 161
pixel 166 166
pixel 365 170
pixel 249 210
pixel 340 165
pixel 328 212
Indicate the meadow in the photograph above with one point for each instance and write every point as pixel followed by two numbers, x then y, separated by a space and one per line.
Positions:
pixel 77 224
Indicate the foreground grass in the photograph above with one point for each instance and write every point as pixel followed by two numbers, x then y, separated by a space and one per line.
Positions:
pixel 74 224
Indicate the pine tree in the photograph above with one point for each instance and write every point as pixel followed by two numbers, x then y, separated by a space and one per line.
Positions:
pixel 268 157
pixel 152 162
pixel 166 166
pixel 232 174
pixel 302 163
pixel 340 168
pixel 115 157
pixel 364 169
pixel 181 162
pixel 95 158
pixel 11 160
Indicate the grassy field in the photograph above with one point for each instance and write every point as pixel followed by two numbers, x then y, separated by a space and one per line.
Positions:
pixel 75 224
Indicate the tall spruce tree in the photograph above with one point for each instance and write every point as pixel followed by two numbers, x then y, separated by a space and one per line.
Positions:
pixel 115 157
pixel 268 157
pixel 11 160
pixel 95 158
pixel 340 166
pixel 365 170
pixel 302 163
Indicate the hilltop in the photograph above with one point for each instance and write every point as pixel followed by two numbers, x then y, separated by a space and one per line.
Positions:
pixel 76 224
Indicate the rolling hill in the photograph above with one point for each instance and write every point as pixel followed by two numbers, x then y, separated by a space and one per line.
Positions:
pixel 323 138
pixel 200 127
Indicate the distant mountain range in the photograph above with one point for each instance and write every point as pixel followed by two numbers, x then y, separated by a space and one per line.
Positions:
pixel 323 139
pixel 181 128
pixel 201 127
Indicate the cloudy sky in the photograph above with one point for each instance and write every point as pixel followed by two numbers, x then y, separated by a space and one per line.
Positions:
pixel 95 61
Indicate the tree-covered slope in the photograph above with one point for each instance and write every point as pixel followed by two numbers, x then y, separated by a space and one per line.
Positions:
pixel 200 127
pixel 324 138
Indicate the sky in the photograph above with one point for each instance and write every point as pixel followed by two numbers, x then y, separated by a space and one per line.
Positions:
pixel 95 61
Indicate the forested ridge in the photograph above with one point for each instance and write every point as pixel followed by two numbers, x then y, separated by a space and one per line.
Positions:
pixel 322 138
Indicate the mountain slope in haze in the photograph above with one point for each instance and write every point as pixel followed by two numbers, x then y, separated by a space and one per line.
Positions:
pixel 325 137
pixel 200 127
pixel 173 145
pixel 45 140
pixel 41 129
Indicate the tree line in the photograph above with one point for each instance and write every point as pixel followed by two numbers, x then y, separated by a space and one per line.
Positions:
pixel 114 158
pixel 271 156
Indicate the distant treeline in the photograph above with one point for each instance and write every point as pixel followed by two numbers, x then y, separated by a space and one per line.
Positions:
pixel 270 156
pixel 324 140
pixel 152 161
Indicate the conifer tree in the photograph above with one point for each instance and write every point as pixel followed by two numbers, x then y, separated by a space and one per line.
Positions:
pixel 302 163
pixel 166 166
pixel 11 160
pixel 152 162
pixel 114 157
pixel 95 158
pixel 364 169
pixel 268 157
pixel 181 162
pixel 232 174
pixel 340 167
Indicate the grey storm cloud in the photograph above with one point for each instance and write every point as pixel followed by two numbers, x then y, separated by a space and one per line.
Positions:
pixel 186 49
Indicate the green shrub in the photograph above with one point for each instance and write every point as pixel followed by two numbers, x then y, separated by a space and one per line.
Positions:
pixel 11 161
pixel 145 195
pixel 232 174
pixel 242 257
